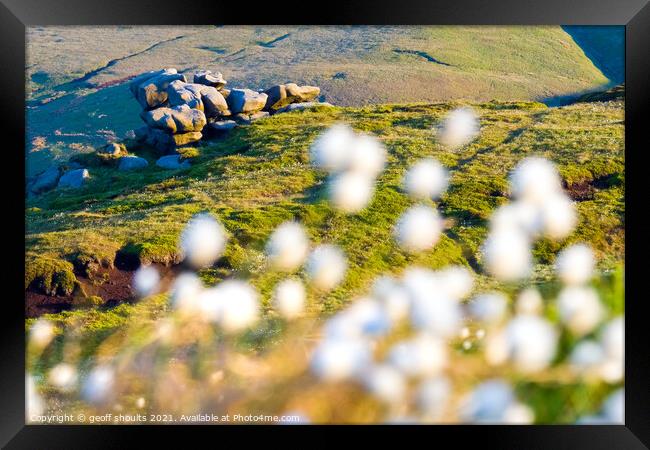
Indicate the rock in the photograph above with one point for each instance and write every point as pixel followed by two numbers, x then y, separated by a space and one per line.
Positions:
pixel 300 106
pixel 179 94
pixel 246 101
pixel 152 92
pixel 282 95
pixel 141 133
pixel 172 162
pixel 138 80
pixel 131 162
pixel 178 119
pixel 113 149
pixel 166 142
pixel 208 78
pixel 73 178
pixel 46 180
pixel 198 96
pixel 225 92
pixel 246 119
pixel 222 125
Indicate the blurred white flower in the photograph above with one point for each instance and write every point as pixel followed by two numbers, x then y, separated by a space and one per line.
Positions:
pixel 367 156
pixel 34 404
pixel 210 303
pixel 240 305
pixel 185 292
pixel 288 246
pixel 41 333
pixel 456 281
pixel 575 264
pixel 558 216
pixel 579 309
pixel 339 359
pixel 145 281
pixel 63 376
pixel 497 350
pixel 518 215
pixel 480 333
pixel 534 180
pixel 458 128
pixel 614 407
pixel 326 266
pixel 488 402
pixel 426 179
pixel 418 228
pixel 350 192
pixel 331 150
pixel 202 241
pixel 420 356
pixel 507 255
pixel 529 302
pixel 432 396
pixel 489 308
pixel 386 383
pixel 518 414
pixel 289 298
pixel 464 333
pixel 586 357
pixel 393 297
pixel 364 317
pixel 532 343
pixel 612 338
pixel 140 402
pixel 98 385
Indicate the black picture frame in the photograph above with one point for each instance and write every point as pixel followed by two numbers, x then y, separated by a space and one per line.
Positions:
pixel 16 15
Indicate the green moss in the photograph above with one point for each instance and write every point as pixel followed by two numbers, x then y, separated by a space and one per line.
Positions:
pixel 49 275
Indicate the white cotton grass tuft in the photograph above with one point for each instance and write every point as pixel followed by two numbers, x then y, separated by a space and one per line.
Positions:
pixel 350 192
pixel 580 309
pixel 98 386
pixel 326 266
pixel 529 302
pixel 202 241
pixel 185 292
pixel 432 396
pixel 418 229
pixel 612 338
pixel 393 297
pixel 426 179
pixel 288 246
pixel 289 298
pixel 456 281
pixel 531 343
pixel 575 264
pixel 534 180
pixel 458 128
pixel 365 317
pixel 367 156
pixel 518 216
pixel 507 255
pixel 240 305
pixel 518 414
pixel 209 304
pixel 331 150
pixel 41 333
pixel 489 308
pixel 586 357
pixel 146 280
pixel 385 383
pixel 339 359
pixel 420 356
pixel 558 217
pixel 488 402
pixel 63 376
pixel 614 407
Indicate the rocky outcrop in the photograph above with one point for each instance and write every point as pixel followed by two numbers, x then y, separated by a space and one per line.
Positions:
pixel 131 162
pixel 113 149
pixel 208 78
pixel 282 95
pixel 46 181
pixel 246 101
pixel 74 178
pixel 172 162
pixel 177 119
pixel 151 91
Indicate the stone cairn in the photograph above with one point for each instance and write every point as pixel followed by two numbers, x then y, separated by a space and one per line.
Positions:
pixel 178 114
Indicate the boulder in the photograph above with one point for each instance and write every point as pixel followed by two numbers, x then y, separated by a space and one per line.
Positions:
pixel 206 77
pixel 246 119
pixel 167 143
pixel 74 178
pixel 198 96
pixel 179 94
pixel 282 95
pixel 246 101
pixel 46 180
pixel 113 149
pixel 178 119
pixel 131 162
pixel 222 125
pixel 225 92
pixel 152 92
pixel 172 162
pixel 138 80
pixel 141 133
pixel 299 106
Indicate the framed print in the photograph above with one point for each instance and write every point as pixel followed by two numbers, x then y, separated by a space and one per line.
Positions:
pixel 413 217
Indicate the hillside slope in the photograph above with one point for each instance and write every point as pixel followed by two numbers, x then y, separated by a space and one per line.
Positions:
pixel 76 98
pixel 259 176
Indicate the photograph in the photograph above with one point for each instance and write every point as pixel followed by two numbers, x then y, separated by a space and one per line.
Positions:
pixel 325 224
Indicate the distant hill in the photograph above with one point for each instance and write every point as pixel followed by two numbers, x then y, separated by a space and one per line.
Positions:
pixel 77 98
pixel 604 45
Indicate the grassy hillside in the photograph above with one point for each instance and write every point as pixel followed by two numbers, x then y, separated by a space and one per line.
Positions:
pixel 74 74
pixel 259 176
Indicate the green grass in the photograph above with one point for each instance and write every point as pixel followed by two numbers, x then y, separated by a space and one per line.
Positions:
pixel 259 176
